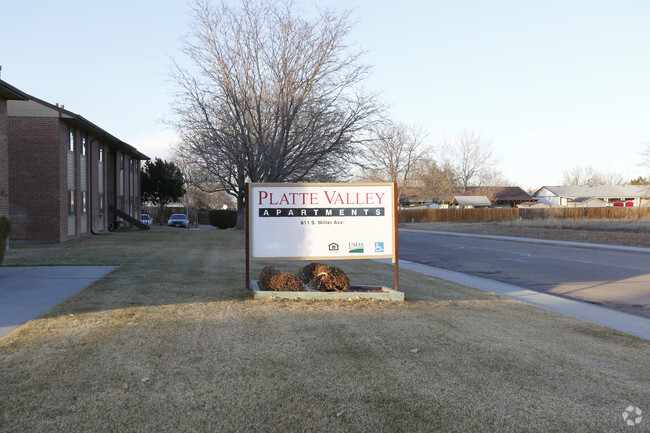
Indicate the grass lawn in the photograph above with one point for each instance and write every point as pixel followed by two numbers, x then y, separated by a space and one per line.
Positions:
pixel 171 341
pixel 600 231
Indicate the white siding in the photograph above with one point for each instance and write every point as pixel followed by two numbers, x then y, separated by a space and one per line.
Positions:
pixel 72 226
pixel 546 196
pixel 83 170
pixel 100 177
pixel 71 172
pixel 31 109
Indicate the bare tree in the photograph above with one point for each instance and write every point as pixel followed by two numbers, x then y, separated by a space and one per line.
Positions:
pixel 587 175
pixel 202 191
pixel 391 153
pixel 472 160
pixel 274 97
pixel 609 178
pixel 432 179
pixel 645 157
pixel 578 175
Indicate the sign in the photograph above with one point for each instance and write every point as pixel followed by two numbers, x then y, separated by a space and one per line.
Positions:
pixel 322 221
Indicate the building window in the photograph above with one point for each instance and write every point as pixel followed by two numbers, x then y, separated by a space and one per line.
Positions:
pixel 71 202
pixel 84 144
pixel 121 159
pixel 84 203
pixel 101 152
pixel 101 204
pixel 71 138
pixel 122 203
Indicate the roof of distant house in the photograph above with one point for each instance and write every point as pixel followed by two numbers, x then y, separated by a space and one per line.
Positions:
pixel 471 200
pixel 601 191
pixel 533 204
pixel 497 194
pixel 501 193
pixel 584 199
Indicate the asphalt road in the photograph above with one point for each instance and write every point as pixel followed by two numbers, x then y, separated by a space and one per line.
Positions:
pixel 615 279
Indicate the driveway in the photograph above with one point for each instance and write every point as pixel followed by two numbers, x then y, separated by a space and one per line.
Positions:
pixel 27 292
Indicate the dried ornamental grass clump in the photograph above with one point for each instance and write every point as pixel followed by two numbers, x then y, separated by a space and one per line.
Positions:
pixel 265 277
pixel 274 280
pixel 285 282
pixel 324 278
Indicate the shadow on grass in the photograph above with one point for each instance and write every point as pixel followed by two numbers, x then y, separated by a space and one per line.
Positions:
pixel 154 268
pixel 171 267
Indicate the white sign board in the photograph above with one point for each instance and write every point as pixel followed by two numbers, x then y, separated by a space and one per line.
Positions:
pixel 322 221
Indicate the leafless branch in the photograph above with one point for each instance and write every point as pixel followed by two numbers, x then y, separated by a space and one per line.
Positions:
pixel 273 96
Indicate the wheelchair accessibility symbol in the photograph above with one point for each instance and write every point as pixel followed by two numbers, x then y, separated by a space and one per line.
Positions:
pixel 379 247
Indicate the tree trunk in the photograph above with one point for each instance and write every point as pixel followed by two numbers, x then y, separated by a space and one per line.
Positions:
pixel 241 212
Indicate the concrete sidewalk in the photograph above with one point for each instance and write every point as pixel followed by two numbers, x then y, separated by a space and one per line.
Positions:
pixel 619 320
pixel 28 292
pixel 625 322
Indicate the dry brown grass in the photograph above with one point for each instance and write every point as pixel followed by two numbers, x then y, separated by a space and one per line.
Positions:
pixel 171 341
pixel 610 232
pixel 610 225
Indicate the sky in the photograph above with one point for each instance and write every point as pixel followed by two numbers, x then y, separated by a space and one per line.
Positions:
pixel 552 85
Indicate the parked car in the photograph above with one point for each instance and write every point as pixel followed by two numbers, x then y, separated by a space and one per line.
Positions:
pixel 145 218
pixel 178 220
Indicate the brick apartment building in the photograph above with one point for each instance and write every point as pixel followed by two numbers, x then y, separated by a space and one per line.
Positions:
pixel 67 177
pixel 7 93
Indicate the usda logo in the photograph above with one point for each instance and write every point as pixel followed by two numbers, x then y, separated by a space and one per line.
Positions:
pixel 632 415
pixel 355 247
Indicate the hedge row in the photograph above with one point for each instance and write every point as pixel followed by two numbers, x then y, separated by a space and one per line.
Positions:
pixel 224 219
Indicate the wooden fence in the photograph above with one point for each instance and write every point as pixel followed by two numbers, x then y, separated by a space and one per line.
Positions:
pixel 502 214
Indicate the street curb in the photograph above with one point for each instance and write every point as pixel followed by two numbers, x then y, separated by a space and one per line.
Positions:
pixel 625 322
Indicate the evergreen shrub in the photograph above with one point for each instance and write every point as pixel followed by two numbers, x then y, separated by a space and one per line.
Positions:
pixel 5 227
pixel 223 218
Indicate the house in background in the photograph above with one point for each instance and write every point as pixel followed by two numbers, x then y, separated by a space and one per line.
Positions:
pixel 7 93
pixel 586 202
pixel 67 176
pixel 533 205
pixel 562 195
pixel 469 202
pixel 501 196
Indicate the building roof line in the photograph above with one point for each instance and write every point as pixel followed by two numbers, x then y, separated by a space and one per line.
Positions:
pixel 80 121
pixel 9 92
